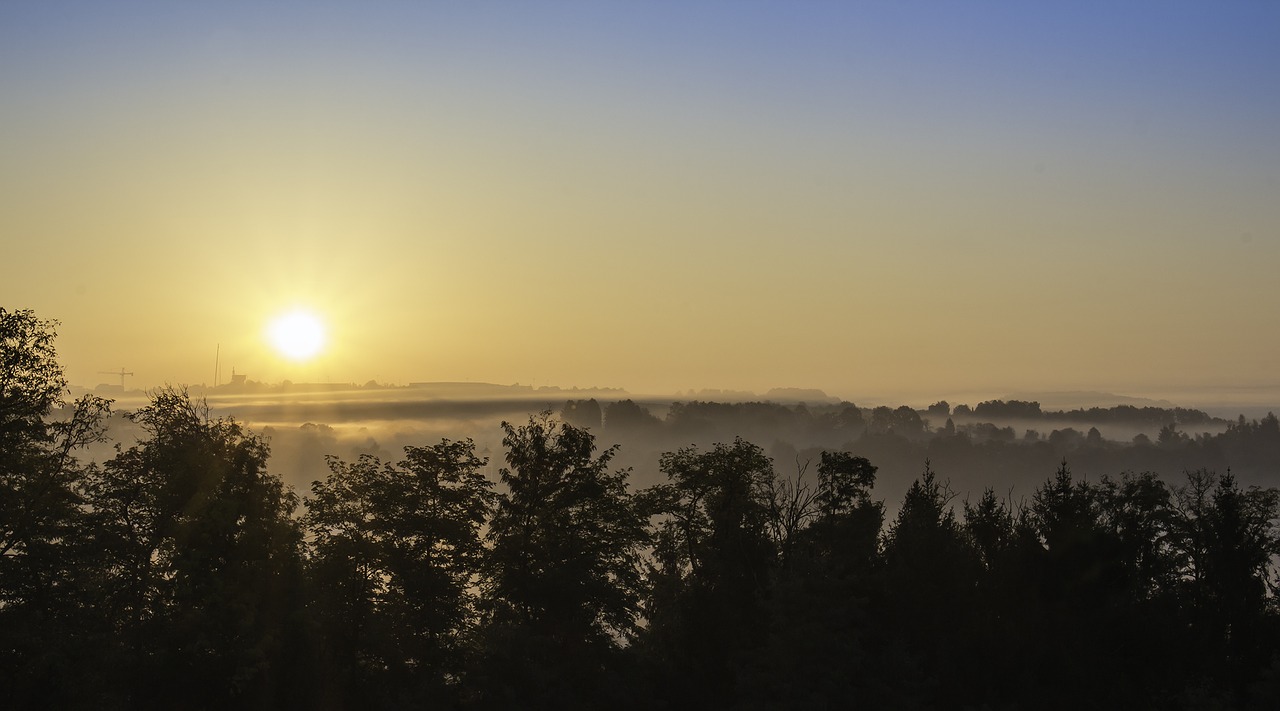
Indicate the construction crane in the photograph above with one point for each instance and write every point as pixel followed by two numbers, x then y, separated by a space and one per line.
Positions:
pixel 122 372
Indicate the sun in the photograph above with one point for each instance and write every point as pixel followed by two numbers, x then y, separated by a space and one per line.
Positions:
pixel 297 335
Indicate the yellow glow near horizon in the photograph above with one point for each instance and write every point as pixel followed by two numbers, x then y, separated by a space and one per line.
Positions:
pixel 297 335
pixel 843 197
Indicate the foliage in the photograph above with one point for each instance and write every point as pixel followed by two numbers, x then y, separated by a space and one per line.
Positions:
pixel 31 381
pixel 715 552
pixel 563 577
pixel 395 552
pixel 43 596
pixel 197 554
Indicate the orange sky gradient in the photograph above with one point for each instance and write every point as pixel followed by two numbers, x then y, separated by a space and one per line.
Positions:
pixel 871 200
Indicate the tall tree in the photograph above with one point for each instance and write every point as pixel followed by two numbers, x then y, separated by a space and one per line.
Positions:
pixel 395 558
pixel 845 534
pixel 199 558
pixel 45 652
pixel 929 586
pixel 564 576
pixel 1228 539
pixel 715 558
pixel 821 649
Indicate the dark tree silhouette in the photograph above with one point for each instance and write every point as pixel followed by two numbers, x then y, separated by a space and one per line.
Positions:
pixel 199 562
pixel 626 415
pixel 929 592
pixel 564 571
pixel 714 558
pixel 1227 539
pixel 45 588
pixel 823 647
pixel 395 558
pixel 583 413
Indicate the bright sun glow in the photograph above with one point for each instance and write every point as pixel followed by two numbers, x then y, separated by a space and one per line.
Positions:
pixel 297 335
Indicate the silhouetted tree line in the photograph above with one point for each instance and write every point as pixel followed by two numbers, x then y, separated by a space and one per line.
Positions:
pixel 955 439
pixel 1121 414
pixel 181 573
pixel 695 417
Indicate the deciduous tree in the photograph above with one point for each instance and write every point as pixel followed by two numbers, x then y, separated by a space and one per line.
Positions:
pixel 199 561
pixel 46 615
pixel 563 578
pixel 395 558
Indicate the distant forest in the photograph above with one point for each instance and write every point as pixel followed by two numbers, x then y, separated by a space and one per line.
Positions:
pixel 993 444
pixel 181 572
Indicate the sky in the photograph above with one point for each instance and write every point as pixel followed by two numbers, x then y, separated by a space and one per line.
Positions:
pixel 897 199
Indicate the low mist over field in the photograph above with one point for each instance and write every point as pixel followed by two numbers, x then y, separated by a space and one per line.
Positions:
pixel 1011 445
